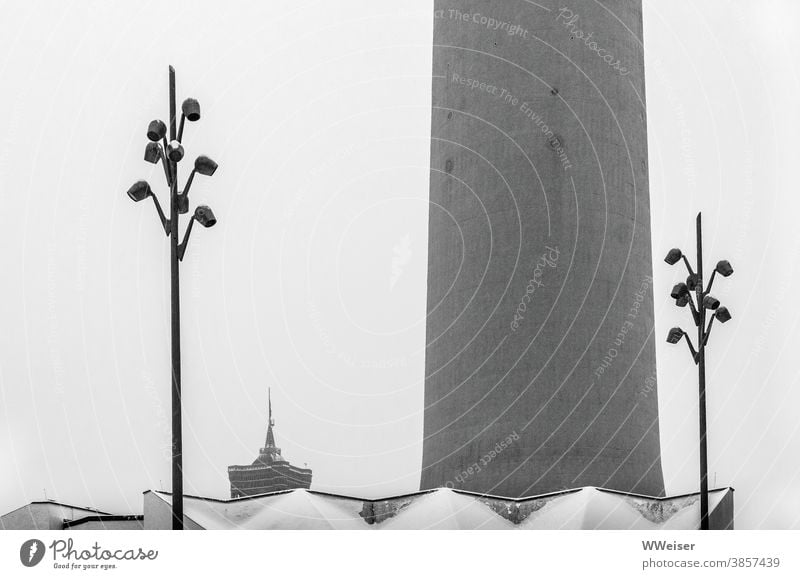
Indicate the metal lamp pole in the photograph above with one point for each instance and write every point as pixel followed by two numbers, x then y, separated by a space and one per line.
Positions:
pixel 701 378
pixel 170 154
pixel 175 300
pixel 682 293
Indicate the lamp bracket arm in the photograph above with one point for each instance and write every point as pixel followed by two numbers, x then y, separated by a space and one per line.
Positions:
pixel 163 158
pixel 695 312
pixel 707 333
pixel 164 221
pixel 710 283
pixel 184 243
pixel 188 184
pixel 180 128
pixel 691 348
pixel 165 161
pixel 688 265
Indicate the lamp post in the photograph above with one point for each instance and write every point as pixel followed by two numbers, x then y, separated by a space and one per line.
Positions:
pixel 682 294
pixel 170 154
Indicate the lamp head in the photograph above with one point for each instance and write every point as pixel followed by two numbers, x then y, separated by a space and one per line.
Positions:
pixel 710 302
pixel 691 282
pixel 183 204
pixel 204 165
pixel 156 130
pixel 674 256
pixel 152 152
pixel 175 151
pixel 139 191
pixel 205 216
pixel 682 301
pixel 724 268
pixel 723 315
pixel 675 335
pixel 191 109
pixel 679 290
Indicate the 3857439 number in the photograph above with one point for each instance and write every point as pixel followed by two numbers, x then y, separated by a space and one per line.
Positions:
pixel 748 562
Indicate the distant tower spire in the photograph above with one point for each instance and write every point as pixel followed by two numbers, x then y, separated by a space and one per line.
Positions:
pixel 270 435
pixel 269 472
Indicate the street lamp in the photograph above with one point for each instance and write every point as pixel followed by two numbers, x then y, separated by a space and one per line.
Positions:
pixel 682 293
pixel 170 154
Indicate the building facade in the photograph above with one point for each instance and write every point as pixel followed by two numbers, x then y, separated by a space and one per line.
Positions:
pixel 269 472
pixel 540 358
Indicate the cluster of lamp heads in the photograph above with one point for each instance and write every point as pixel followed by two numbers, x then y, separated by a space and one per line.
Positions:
pixel 140 191
pixel 681 293
pixel 153 153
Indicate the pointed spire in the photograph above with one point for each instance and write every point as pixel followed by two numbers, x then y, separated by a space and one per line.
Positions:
pixel 270 434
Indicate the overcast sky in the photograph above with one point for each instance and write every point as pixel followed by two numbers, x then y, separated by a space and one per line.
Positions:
pixel 313 281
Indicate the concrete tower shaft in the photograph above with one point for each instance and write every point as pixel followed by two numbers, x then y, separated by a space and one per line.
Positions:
pixel 540 361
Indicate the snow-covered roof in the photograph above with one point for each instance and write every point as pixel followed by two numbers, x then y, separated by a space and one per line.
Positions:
pixel 585 508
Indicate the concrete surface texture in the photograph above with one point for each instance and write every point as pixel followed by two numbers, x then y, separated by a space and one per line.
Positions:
pixel 540 361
